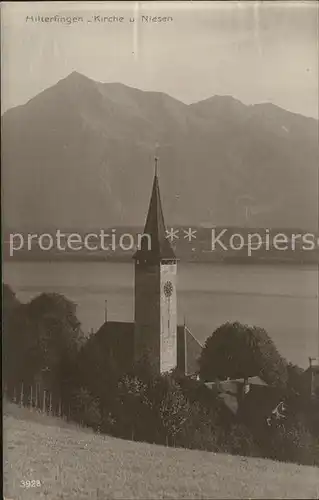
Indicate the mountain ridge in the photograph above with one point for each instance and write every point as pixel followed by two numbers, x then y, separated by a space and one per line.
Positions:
pixel 76 74
pixel 93 141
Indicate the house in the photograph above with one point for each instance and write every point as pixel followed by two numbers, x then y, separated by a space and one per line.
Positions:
pixel 312 378
pixel 249 396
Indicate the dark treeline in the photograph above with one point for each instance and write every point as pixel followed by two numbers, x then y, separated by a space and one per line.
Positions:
pixel 48 363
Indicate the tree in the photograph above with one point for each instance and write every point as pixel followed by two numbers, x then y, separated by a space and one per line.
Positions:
pixel 96 366
pixel 41 342
pixel 174 411
pixel 296 380
pixel 85 408
pixel 19 361
pixel 153 410
pixel 132 410
pixel 9 299
pixel 240 351
pixel 56 336
pixel 17 365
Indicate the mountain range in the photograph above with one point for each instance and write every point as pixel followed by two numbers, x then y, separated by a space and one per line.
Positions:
pixel 81 154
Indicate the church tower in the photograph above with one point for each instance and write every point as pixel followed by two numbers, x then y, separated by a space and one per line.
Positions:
pixel 155 327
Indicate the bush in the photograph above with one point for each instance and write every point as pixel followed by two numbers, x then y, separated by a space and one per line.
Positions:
pixel 296 380
pixel 131 412
pixel 43 341
pixel 200 431
pixel 174 412
pixel 292 441
pixel 153 411
pixel 85 409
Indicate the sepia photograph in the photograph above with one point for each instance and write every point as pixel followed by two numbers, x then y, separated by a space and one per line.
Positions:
pixel 160 249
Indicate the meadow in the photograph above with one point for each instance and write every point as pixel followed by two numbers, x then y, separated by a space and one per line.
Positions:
pixel 74 463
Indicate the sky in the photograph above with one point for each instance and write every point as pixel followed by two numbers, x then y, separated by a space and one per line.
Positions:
pixel 254 51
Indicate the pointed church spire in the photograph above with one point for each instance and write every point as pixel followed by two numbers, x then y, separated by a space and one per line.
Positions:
pixel 159 247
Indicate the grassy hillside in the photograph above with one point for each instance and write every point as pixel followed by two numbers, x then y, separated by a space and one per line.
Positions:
pixel 73 463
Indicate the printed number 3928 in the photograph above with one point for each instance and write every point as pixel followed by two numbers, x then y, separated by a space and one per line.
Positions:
pixel 30 483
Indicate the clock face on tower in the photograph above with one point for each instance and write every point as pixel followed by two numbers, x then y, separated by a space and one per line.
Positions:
pixel 168 288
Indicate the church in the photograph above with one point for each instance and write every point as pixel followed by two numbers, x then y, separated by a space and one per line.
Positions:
pixel 154 335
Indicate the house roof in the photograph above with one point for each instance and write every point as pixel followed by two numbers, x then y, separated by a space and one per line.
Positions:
pixel 313 369
pixel 160 247
pixel 230 401
pixel 225 386
pixel 251 380
pixel 116 338
pixel 122 329
pixel 230 390
pixel 231 386
pixel 188 350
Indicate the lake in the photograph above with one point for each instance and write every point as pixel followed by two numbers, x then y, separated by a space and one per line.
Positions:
pixel 282 299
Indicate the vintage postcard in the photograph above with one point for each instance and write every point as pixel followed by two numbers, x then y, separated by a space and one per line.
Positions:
pixel 160 249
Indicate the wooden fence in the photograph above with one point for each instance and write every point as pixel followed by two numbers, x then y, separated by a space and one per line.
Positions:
pixel 37 398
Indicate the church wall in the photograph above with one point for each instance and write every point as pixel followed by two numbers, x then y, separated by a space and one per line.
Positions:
pixel 314 381
pixel 193 352
pixel 147 314
pixel 168 359
pixel 181 358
